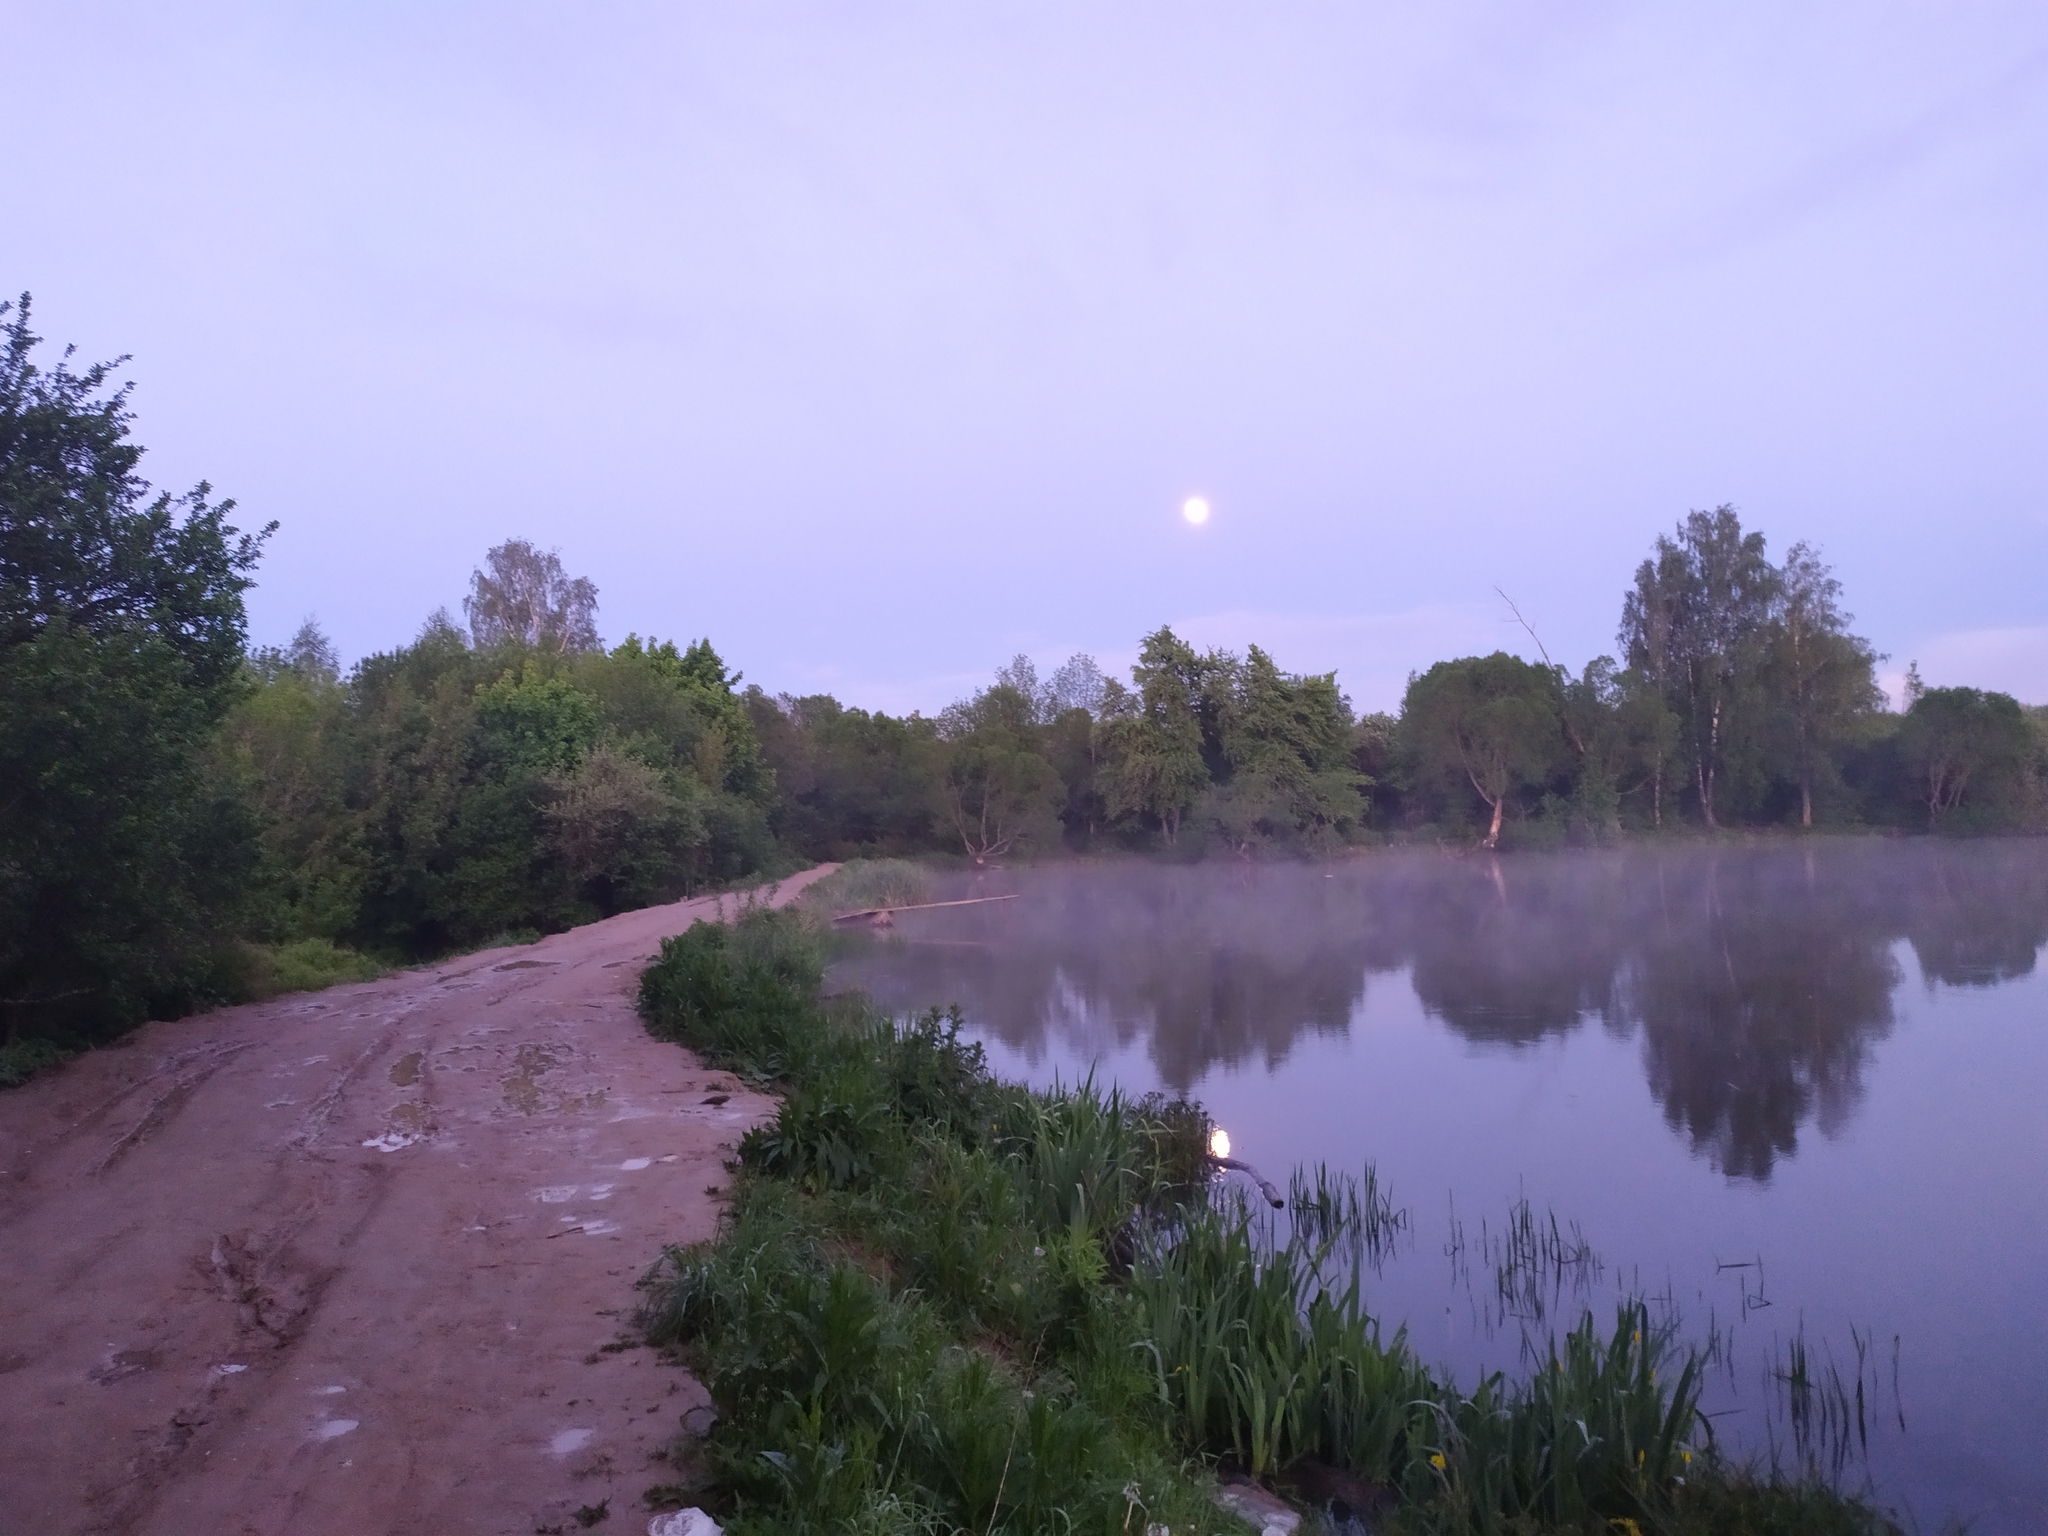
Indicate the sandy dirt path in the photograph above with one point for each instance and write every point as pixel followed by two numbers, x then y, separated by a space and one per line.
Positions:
pixel 350 1261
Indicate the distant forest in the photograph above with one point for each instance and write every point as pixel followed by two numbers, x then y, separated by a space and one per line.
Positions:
pixel 184 819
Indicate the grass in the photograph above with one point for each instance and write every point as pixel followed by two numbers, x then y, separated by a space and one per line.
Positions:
pixel 860 884
pixel 302 965
pixel 247 973
pixel 942 1302
pixel 22 1059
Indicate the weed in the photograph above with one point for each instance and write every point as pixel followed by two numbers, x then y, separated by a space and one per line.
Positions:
pixel 21 1059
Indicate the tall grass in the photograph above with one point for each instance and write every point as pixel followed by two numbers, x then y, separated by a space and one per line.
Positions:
pixel 861 884
pixel 943 1302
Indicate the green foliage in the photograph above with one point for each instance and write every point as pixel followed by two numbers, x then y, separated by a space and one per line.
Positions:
pixel 535 723
pixel 1155 740
pixel 23 1057
pixel 1971 758
pixel 302 965
pixel 849 782
pixel 440 794
pixel 740 998
pixel 122 861
pixel 842 1395
pixel 1286 745
pixel 995 789
pixel 1488 722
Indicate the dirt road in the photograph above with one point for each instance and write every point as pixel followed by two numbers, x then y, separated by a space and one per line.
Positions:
pixel 359 1261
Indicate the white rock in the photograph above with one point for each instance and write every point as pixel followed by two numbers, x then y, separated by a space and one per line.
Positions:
pixel 1257 1508
pixel 684 1522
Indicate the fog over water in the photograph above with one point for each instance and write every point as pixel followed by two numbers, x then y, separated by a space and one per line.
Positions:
pixel 1789 1088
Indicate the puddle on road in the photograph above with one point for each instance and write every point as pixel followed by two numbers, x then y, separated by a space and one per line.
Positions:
pixel 406 1070
pixel 333 1429
pixel 410 1124
pixel 120 1364
pixel 522 1091
pixel 569 1441
pixel 562 1194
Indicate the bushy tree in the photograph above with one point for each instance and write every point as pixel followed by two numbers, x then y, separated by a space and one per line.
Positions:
pixel 521 594
pixel 1154 742
pixel 995 788
pixel 1756 662
pixel 121 637
pixel 848 781
pixel 285 747
pixel 1969 755
pixel 1287 749
pixel 442 794
pixel 1624 737
pixel 1696 623
pixel 1820 680
pixel 1490 722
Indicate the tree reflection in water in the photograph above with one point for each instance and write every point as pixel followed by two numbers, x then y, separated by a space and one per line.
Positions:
pixel 1758 977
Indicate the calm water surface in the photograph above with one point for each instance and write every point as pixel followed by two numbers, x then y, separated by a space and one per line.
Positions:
pixel 1794 1092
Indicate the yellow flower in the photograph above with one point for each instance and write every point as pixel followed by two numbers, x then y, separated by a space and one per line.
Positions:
pixel 1688 1457
pixel 1437 1460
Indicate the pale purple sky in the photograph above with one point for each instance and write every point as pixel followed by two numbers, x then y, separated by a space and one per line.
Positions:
pixel 879 342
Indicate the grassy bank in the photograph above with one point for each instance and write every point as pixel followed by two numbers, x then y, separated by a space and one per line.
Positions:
pixel 944 1303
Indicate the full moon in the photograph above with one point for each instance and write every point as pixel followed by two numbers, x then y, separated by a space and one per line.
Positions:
pixel 1195 509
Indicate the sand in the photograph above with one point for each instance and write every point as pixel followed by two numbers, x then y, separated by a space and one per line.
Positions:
pixel 359 1261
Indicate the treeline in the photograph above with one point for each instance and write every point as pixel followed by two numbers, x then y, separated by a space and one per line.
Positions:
pixel 185 820
pixel 1741 699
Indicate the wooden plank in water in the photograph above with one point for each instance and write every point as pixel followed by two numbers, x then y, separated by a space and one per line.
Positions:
pixel 920 906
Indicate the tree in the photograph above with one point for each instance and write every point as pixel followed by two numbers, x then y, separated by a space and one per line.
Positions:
pixel 1696 623
pixel 526 597
pixel 1964 746
pixel 1287 746
pixel 1823 679
pixel 121 637
pixel 1078 684
pixel 617 829
pixel 1489 720
pixel 1154 747
pixel 285 745
pixel 995 788
pixel 848 781
pixel 1624 735
pixel 731 760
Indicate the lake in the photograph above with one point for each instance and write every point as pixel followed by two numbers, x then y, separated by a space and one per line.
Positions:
pixel 1798 1092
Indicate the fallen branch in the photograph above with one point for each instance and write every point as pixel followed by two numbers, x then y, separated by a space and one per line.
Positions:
pixel 1265 1185
pixel 920 906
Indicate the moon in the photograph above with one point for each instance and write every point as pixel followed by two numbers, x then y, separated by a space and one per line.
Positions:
pixel 1196 510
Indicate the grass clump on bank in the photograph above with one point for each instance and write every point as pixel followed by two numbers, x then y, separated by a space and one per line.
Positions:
pixel 941 1302
pixel 860 885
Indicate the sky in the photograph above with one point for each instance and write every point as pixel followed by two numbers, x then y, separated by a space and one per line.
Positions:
pixel 881 342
